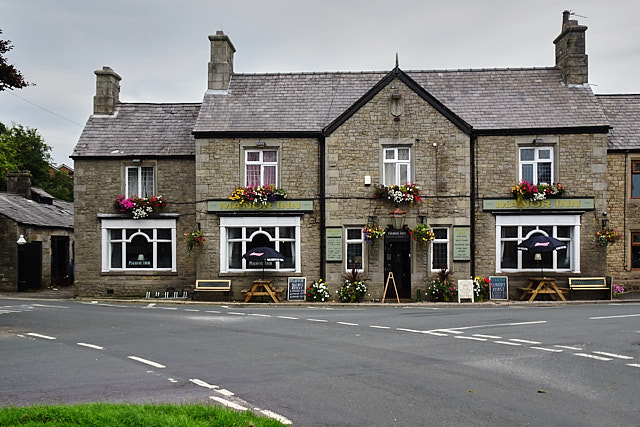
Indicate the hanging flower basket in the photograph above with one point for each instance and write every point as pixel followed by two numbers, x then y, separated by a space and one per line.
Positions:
pixel 372 232
pixel 606 237
pixel 262 194
pixel 527 191
pixel 140 207
pixel 195 240
pixel 398 193
pixel 422 234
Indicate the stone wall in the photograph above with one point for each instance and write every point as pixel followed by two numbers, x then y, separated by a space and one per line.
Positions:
pixel 97 184
pixel 580 165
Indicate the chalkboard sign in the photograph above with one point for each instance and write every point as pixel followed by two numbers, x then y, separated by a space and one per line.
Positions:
pixel 499 287
pixel 297 288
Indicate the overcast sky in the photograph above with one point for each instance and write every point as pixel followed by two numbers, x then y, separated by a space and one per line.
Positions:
pixel 161 47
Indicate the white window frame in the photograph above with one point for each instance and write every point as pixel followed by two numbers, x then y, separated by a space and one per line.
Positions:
pixel 396 163
pixel 536 160
pixel 243 222
pixel 541 221
pixel 444 241
pixel 261 163
pixel 130 192
pixel 120 224
pixel 358 241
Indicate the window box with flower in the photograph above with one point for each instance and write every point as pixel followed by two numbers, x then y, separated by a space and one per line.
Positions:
pixel 408 193
pixel 140 207
pixel 262 194
pixel 524 190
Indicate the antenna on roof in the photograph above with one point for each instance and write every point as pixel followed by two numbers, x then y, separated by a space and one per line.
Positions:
pixel 579 16
pixel 397 66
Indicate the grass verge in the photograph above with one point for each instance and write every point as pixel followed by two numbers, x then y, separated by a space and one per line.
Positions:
pixel 105 414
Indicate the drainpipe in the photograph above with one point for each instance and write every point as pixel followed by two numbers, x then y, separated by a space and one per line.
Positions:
pixel 473 142
pixel 322 205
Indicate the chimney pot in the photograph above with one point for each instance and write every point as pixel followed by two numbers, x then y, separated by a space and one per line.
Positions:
pixel 107 91
pixel 221 64
pixel 571 57
pixel 19 182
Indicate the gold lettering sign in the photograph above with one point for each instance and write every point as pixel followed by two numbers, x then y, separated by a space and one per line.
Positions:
pixel 585 204
pixel 219 206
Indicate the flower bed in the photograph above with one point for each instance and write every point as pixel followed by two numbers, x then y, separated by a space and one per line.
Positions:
pixel 398 193
pixel 258 194
pixel 318 291
pixel 140 207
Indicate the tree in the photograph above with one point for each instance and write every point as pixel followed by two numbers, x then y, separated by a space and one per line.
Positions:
pixel 22 148
pixel 10 77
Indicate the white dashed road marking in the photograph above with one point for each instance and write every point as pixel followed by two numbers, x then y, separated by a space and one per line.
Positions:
pixel 347 323
pixel 617 356
pixel 96 347
pixel 287 317
pixel 148 362
pixel 614 317
pixel 46 337
pixel 552 350
pixel 568 347
pixel 591 356
pixel 228 403
pixel 506 342
pixel 524 341
pixel 470 338
pixel 225 392
pixel 203 384
pixel 492 337
pixel 379 327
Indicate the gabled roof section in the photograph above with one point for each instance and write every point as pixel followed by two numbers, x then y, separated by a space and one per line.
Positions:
pixel 623 112
pixel 487 100
pixel 140 130
pixel 397 73
pixel 25 211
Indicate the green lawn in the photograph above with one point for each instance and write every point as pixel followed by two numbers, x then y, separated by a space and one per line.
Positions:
pixel 103 414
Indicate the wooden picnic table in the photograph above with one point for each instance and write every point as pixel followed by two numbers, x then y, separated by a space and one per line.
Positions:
pixel 263 288
pixel 542 285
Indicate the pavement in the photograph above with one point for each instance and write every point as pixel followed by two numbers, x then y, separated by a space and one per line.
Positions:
pixel 69 293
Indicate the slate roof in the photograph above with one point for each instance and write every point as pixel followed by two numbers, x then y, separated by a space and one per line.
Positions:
pixel 623 111
pixel 140 130
pixel 487 99
pixel 26 211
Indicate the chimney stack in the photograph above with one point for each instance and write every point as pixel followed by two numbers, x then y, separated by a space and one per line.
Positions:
pixel 571 57
pixel 221 64
pixel 19 183
pixel 107 91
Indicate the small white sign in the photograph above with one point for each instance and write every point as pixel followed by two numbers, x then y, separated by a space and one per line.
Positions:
pixel 465 290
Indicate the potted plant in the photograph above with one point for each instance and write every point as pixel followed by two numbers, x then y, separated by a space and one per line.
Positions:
pixel 422 234
pixel 353 288
pixel 318 291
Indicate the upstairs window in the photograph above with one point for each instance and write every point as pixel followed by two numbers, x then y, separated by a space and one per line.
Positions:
pixel 397 165
pixel 536 165
pixel 139 181
pixel 635 179
pixel 261 167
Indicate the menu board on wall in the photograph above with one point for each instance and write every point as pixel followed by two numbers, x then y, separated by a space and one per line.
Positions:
pixel 461 243
pixel 334 244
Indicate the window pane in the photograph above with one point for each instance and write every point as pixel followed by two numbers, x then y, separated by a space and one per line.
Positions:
pixel 287 232
pixel 509 258
pixel 354 256
pixel 441 233
pixel 253 175
pixel 635 185
pixel 544 154
pixel 132 181
pixel 164 234
pixel 635 238
pixel 527 172
pixel 547 229
pixel 269 175
pixel 564 259
pixel 440 256
pixel 636 166
pixel 563 231
pixel 354 234
pixel 288 251
pixel 139 253
pixel 146 189
pixel 271 231
pixel 116 234
pixel 389 173
pixel 526 230
pixel 270 156
pixel 403 154
pixel 527 154
pixel 116 254
pixel 235 255
pixel 164 255
pixel 389 154
pixel 404 174
pixel 635 256
pixel 544 173
pixel 234 233
pixel 253 156
pixel 509 232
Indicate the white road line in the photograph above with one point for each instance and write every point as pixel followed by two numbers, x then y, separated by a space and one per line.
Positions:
pixel 46 337
pixel 495 325
pixel 151 305
pixel 635 365
pixel 228 403
pixel 148 362
pixel 347 323
pixel 462 337
pixel 168 308
pixel 591 356
pixel 203 384
pixel 491 337
pixel 318 320
pixel 506 343
pixel 617 356
pixel 9 311
pixel 553 350
pixel 49 306
pixel 614 317
pixel 568 347
pixel 276 417
pixel 259 315
pixel 438 334
pixel 379 327
pixel 213 311
pixel 190 309
pixel 287 317
pixel 171 380
pixel 410 330
pixel 447 331
pixel 96 347
pixel 237 313
pixel 224 392
pixel 524 341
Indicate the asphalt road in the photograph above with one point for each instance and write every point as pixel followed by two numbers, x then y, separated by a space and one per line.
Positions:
pixel 415 365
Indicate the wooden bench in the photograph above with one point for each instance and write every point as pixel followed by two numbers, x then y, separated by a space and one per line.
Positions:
pixel 589 284
pixel 212 286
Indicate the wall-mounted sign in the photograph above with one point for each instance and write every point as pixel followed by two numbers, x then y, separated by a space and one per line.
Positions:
pixel 462 243
pixel 548 204
pixel 280 206
pixel 333 244
pixel 396 235
pixel 297 288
